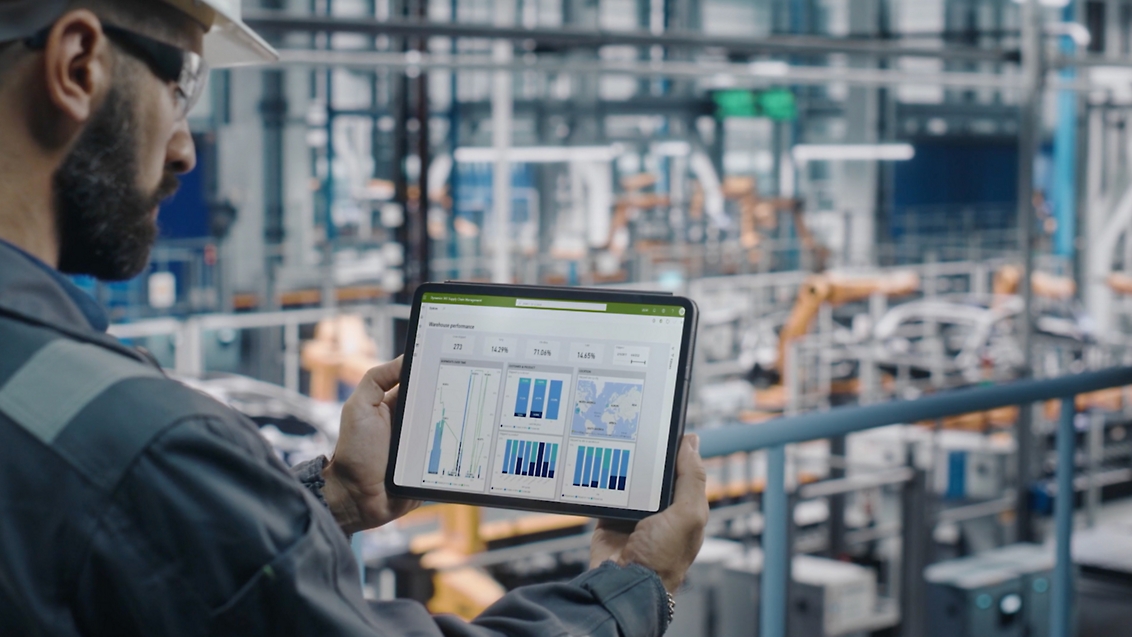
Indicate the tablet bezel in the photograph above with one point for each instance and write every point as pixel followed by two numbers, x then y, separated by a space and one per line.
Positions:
pixel 679 409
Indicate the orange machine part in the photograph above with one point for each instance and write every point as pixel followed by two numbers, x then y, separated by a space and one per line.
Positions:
pixel 836 290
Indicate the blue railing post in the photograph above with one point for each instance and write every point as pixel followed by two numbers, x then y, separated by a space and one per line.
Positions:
pixel 356 547
pixel 1061 610
pixel 776 551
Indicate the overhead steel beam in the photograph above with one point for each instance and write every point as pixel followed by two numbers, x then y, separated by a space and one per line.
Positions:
pixel 567 37
pixel 1066 61
pixel 725 75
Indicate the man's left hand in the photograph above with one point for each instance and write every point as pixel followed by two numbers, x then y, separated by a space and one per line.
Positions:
pixel 355 477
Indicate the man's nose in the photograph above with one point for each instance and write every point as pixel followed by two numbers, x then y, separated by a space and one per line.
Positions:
pixel 181 154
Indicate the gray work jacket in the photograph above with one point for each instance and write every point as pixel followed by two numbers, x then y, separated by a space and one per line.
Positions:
pixel 131 505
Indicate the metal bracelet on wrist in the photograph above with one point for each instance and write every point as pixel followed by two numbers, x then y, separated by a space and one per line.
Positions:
pixel 671 606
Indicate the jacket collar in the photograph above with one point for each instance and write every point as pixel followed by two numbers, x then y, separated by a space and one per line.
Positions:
pixel 33 292
pixel 32 288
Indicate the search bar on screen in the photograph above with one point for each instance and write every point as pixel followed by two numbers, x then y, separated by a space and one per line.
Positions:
pixel 561 305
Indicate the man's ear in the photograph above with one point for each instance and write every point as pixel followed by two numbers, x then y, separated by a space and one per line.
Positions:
pixel 77 65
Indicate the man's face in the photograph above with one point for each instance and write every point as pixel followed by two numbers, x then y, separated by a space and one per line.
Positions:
pixel 124 164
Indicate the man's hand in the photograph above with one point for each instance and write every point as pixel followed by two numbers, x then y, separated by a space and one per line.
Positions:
pixel 669 541
pixel 355 477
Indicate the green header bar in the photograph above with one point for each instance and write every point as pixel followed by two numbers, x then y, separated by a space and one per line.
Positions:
pixel 554 305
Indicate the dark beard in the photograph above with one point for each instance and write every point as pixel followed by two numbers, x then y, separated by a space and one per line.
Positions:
pixel 103 218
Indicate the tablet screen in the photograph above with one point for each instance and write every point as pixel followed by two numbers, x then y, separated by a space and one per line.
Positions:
pixel 563 401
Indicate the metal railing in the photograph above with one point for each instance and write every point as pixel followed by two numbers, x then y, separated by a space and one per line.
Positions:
pixel 189 344
pixel 773 436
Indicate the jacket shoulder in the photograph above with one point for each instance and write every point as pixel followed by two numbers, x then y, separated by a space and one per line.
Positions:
pixel 95 407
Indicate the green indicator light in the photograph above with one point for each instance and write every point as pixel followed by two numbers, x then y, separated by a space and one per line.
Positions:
pixel 779 105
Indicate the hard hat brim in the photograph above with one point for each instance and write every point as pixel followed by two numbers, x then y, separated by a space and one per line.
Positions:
pixel 230 43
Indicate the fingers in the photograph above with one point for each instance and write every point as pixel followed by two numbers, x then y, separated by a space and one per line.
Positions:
pixel 391 396
pixel 386 376
pixel 617 526
pixel 377 382
pixel 691 476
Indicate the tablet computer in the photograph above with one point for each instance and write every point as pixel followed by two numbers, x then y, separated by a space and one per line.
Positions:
pixel 563 400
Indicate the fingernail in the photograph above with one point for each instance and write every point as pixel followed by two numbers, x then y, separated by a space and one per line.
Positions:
pixel 694 440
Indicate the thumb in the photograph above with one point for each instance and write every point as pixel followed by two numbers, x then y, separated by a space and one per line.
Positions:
pixel 691 476
pixel 377 381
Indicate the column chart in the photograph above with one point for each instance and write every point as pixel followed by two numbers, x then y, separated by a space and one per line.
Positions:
pixel 526 466
pixel 600 468
pixel 598 473
pixel 533 399
pixel 530 458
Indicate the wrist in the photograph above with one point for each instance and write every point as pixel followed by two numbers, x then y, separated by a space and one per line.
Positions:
pixel 341 503
pixel 670 584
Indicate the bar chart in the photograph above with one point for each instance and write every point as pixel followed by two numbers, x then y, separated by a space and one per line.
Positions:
pixel 601 468
pixel 533 401
pixel 526 466
pixel 544 401
pixel 530 458
pixel 598 473
pixel 463 415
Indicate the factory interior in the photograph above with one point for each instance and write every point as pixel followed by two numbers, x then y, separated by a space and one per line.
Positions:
pixel 876 204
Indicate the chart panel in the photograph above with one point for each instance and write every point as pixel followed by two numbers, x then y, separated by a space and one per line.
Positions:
pixel 463 416
pixel 535 401
pixel 526 466
pixel 608 406
pixel 598 473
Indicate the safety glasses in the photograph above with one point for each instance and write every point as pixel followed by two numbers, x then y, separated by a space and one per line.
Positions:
pixel 170 64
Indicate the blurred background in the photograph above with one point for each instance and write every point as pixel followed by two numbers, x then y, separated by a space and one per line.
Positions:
pixel 870 200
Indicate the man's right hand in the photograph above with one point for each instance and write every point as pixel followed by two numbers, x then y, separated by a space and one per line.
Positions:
pixel 669 541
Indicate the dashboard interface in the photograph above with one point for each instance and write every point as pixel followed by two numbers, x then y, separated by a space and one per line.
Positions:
pixel 552 400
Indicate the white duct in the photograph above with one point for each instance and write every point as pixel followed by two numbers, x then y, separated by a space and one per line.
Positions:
pixel 439 171
pixel 502 96
pixel 1098 295
pixel 599 201
pixel 705 173
pixel 1106 234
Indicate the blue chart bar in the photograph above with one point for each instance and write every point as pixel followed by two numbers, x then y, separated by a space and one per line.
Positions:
pixel 589 465
pixel 612 483
pixel 600 468
pixel 434 458
pixel 605 468
pixel 555 400
pixel 524 396
pixel 624 472
pixel 595 477
pixel 578 466
pixel 538 403
pixel 529 458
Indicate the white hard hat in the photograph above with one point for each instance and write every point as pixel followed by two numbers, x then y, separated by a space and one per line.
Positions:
pixel 228 42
